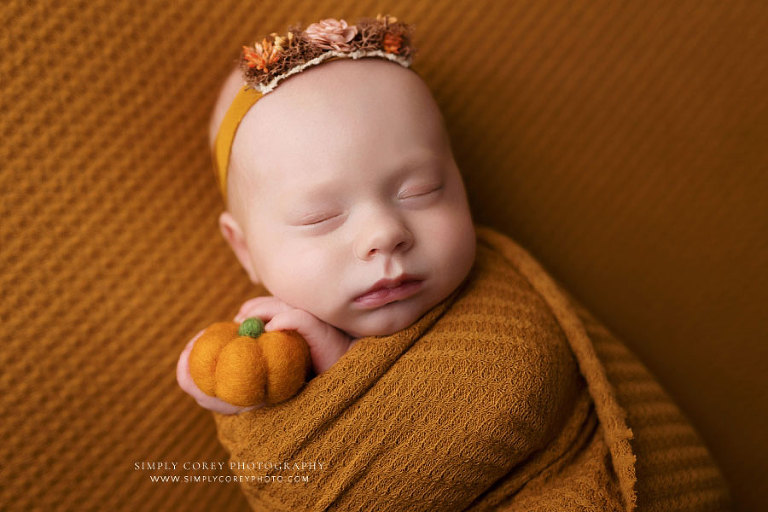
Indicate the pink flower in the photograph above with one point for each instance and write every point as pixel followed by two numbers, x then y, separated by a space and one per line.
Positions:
pixel 331 34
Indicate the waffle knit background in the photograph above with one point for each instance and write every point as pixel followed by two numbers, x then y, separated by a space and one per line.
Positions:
pixel 624 144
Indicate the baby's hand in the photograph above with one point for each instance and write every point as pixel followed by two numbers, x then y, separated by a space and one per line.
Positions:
pixel 326 343
pixel 187 384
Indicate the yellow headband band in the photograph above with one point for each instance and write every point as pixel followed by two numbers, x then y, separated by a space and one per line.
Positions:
pixel 222 147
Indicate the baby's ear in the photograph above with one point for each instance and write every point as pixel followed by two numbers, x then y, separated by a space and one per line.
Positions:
pixel 233 234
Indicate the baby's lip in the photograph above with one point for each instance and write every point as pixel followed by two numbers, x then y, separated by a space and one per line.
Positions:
pixel 390 283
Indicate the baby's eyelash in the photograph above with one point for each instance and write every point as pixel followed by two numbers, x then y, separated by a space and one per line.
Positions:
pixel 319 221
pixel 423 193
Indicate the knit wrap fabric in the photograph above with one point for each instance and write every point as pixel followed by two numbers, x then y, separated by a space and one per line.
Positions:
pixel 493 400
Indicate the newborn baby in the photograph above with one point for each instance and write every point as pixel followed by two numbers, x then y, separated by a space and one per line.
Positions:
pixel 345 202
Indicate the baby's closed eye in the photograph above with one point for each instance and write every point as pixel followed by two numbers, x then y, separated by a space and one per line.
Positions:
pixel 420 192
pixel 320 219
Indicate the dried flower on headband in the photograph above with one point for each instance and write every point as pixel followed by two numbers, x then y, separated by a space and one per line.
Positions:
pixel 265 53
pixel 277 57
pixel 331 34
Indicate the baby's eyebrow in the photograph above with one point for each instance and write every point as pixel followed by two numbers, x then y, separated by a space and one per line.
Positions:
pixel 428 165
pixel 315 193
pixel 419 162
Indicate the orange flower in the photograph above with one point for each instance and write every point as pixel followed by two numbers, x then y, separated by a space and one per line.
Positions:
pixel 263 54
pixel 392 42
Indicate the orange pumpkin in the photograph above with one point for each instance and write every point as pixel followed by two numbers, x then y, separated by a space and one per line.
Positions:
pixel 245 366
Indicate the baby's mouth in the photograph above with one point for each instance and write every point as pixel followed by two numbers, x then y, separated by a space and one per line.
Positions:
pixel 386 291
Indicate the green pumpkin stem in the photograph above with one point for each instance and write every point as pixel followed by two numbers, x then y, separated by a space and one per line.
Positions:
pixel 252 327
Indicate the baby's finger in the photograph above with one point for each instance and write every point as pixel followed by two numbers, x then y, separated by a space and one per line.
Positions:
pixel 249 304
pixel 326 343
pixel 266 308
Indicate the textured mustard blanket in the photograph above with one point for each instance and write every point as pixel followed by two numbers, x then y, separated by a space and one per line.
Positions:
pixel 493 400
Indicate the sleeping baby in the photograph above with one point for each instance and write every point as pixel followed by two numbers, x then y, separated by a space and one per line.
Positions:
pixel 346 169
pixel 443 381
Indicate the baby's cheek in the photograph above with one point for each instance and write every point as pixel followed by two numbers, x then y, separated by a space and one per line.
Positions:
pixel 451 241
pixel 310 278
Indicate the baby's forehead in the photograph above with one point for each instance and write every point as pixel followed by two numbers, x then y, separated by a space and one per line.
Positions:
pixel 345 90
pixel 342 113
pixel 327 89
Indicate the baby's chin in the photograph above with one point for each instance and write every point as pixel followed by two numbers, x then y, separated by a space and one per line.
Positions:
pixel 385 320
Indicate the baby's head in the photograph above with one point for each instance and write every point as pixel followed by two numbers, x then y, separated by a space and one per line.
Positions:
pixel 341 177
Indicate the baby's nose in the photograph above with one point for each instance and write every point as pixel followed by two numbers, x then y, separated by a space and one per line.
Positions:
pixel 386 236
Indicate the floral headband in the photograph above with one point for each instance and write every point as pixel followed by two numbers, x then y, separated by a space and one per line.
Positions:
pixel 275 58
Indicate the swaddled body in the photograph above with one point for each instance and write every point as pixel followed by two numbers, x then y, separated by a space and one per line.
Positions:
pixel 480 402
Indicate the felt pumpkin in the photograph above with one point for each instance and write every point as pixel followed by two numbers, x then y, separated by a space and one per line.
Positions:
pixel 243 365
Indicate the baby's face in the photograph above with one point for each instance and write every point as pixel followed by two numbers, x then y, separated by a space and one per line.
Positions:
pixel 344 176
